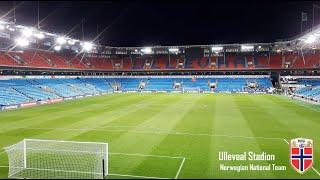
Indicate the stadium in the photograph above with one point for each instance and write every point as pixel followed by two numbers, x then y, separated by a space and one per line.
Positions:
pixel 72 108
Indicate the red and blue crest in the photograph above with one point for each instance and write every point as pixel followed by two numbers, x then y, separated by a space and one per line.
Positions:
pixel 301 154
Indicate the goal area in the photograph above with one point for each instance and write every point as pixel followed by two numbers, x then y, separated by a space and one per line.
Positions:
pixel 53 159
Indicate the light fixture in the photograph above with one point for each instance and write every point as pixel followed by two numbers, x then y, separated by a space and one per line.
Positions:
pixel 39 35
pixel 310 39
pixel 71 42
pixel 146 50
pixel 246 47
pixel 87 46
pixel 217 48
pixel 57 48
pixel 61 40
pixel 22 42
pixel 10 28
pixel 26 32
pixel 174 50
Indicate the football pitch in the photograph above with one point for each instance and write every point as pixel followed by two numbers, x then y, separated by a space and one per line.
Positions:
pixel 175 135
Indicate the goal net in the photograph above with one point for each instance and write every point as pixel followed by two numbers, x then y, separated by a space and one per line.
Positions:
pixel 51 159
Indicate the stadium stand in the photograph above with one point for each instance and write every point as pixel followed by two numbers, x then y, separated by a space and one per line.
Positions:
pixel 16 91
pixel 310 91
pixel 46 59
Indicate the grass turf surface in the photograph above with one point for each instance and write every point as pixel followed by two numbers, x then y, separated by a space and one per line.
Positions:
pixel 173 135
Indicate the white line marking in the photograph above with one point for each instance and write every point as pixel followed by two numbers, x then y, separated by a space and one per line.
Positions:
pixel 144 155
pixel 316 171
pixel 124 175
pixel 181 165
pixel 286 141
pixel 149 155
pixel 144 177
pixel 56 170
pixel 155 132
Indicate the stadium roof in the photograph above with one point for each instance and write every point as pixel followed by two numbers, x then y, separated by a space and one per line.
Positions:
pixel 20 33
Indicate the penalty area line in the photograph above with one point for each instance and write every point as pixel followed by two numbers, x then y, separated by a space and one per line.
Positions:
pixel 148 155
pixel 134 176
pixel 122 175
pixel 151 131
pixel 179 170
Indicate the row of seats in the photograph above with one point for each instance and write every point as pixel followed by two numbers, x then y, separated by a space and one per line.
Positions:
pixel 311 89
pixel 46 59
pixel 17 91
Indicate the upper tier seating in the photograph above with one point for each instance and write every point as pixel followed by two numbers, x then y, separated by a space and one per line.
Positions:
pixel 46 59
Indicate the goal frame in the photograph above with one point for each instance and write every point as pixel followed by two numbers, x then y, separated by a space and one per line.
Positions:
pixel 105 159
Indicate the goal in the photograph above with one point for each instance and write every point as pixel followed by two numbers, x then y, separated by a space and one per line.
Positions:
pixel 52 159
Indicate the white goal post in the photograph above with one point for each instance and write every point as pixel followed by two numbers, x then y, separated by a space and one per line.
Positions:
pixel 54 159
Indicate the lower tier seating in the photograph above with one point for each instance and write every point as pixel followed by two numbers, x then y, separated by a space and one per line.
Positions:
pixel 17 91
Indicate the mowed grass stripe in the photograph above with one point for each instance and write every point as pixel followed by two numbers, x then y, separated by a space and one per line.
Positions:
pixel 301 124
pixel 189 146
pixel 54 108
pixel 199 119
pixel 137 143
pixel 129 122
pixel 234 122
pixel 63 120
pixel 275 125
pixel 100 119
pixel 149 119
pixel 63 112
pixel 255 117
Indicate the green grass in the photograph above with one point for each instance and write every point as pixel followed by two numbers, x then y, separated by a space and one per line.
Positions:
pixel 191 126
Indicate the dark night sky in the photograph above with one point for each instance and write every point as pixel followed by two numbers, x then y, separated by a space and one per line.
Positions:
pixel 141 23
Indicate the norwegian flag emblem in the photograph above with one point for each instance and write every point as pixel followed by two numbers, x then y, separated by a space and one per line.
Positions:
pixel 301 154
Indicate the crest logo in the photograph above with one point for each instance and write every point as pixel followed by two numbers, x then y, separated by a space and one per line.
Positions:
pixel 301 154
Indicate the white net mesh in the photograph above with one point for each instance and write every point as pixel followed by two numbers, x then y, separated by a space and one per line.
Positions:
pixel 49 159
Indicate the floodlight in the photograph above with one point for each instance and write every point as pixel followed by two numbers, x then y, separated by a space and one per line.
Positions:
pixel 23 42
pixel 87 46
pixel 217 48
pixel 10 28
pixel 2 27
pixel 26 32
pixel 174 50
pixel 310 39
pixel 146 50
pixel 71 42
pixel 246 47
pixel 39 35
pixel 61 40
pixel 57 48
